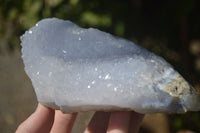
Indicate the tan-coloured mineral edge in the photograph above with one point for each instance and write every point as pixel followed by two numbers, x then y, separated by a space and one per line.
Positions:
pixel 178 86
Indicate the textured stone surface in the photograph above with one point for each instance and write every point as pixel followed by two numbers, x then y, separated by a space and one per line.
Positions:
pixel 76 69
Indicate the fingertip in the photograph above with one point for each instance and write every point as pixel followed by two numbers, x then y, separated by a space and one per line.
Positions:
pixel 119 122
pixel 98 123
pixel 40 121
pixel 63 123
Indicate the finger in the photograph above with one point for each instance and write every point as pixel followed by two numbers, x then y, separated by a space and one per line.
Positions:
pixel 40 121
pixel 99 123
pixel 119 122
pixel 63 123
pixel 135 122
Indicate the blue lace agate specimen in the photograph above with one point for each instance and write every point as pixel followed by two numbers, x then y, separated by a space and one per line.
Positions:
pixel 75 69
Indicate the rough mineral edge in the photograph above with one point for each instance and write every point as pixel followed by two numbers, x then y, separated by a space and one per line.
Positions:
pixel 76 69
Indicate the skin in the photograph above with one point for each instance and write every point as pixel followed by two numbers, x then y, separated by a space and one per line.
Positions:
pixel 46 120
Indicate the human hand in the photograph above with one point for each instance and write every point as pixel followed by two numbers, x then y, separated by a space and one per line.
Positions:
pixel 45 120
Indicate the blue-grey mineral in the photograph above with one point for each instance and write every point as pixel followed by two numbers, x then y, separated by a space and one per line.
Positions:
pixel 75 69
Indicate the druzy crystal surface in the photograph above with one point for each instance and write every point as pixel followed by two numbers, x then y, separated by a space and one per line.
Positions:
pixel 75 69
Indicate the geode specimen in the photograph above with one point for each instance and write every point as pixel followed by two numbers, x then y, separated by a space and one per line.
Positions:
pixel 75 69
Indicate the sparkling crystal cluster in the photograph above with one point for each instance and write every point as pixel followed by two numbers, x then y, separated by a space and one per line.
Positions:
pixel 76 69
